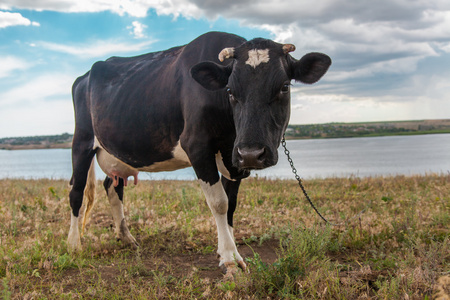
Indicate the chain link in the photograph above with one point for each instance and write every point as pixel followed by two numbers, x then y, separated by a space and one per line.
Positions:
pixel 297 177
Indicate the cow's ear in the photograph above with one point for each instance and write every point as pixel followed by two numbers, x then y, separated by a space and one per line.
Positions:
pixel 210 75
pixel 310 68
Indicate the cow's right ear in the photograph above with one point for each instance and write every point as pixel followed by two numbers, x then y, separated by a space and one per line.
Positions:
pixel 210 75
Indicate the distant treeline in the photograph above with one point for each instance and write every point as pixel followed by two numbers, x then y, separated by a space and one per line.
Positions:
pixel 312 131
pixel 42 141
pixel 343 130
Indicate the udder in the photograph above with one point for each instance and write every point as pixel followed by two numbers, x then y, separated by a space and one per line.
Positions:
pixel 115 168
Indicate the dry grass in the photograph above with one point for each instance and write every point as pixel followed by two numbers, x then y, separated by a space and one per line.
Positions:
pixel 397 249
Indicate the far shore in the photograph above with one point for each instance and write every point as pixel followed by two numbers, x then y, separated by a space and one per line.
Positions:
pixel 37 146
pixel 293 132
pixel 68 145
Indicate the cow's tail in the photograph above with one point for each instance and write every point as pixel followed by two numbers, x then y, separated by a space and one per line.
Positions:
pixel 89 194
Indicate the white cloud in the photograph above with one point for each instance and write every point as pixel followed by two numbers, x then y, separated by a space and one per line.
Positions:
pixel 96 49
pixel 371 43
pixel 367 109
pixel 41 105
pixel 444 47
pixel 14 19
pixel 10 64
pixel 133 8
pixel 297 107
pixel 405 65
pixel 38 118
pixel 37 90
pixel 138 29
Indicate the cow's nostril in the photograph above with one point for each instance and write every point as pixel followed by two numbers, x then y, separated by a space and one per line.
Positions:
pixel 251 158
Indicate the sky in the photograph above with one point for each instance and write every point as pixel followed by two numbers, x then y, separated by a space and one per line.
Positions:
pixel 391 58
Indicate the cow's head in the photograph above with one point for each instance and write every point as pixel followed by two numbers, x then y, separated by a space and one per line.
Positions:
pixel 257 80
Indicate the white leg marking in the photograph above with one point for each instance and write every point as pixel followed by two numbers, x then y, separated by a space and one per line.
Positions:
pixel 218 203
pixel 121 228
pixel 257 57
pixel 231 230
pixel 73 240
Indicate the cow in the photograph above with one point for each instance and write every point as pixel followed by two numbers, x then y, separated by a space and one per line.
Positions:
pixel 220 104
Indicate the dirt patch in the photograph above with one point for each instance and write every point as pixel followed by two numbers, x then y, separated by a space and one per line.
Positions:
pixel 443 288
pixel 179 266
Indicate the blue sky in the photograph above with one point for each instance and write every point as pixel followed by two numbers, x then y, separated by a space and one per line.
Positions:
pixel 390 58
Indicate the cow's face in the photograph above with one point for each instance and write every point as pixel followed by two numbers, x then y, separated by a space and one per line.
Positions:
pixel 257 83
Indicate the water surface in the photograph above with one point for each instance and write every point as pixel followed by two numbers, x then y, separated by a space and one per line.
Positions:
pixel 393 155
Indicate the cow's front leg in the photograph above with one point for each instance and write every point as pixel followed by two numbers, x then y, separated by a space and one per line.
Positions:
pixel 218 203
pixel 231 188
pixel 115 196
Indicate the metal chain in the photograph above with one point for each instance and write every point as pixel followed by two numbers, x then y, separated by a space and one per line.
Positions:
pixel 297 177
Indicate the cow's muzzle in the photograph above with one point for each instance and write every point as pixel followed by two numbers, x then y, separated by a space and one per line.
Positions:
pixel 252 158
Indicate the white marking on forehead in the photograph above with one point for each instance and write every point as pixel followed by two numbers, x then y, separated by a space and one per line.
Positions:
pixel 257 57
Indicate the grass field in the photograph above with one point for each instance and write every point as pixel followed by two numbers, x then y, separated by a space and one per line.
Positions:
pixel 397 249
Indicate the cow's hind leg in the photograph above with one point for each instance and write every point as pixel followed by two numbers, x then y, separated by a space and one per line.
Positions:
pixel 82 156
pixel 115 196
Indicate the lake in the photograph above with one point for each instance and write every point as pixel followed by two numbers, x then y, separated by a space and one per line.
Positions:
pixel 362 157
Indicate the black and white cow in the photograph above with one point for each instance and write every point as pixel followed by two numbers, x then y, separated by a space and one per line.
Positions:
pixel 218 104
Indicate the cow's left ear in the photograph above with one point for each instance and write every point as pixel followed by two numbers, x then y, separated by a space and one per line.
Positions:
pixel 310 68
pixel 210 75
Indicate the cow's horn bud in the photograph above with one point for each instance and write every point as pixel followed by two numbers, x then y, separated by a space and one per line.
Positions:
pixel 288 48
pixel 226 53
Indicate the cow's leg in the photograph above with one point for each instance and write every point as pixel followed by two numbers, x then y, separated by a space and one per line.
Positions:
pixel 231 189
pixel 82 155
pixel 217 200
pixel 115 196
pixel 202 156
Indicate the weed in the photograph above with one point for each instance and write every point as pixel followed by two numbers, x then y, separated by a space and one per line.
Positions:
pixel 300 252
pixel 6 294
pixel 227 286
pixel 63 262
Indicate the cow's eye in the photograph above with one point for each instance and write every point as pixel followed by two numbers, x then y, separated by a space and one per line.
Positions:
pixel 285 88
pixel 229 91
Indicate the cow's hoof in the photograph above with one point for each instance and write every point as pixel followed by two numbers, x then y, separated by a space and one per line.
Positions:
pixel 125 236
pixel 129 240
pixel 230 268
pixel 242 265
pixel 134 244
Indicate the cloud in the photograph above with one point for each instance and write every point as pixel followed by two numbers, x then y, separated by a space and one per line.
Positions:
pixel 37 90
pixel 38 118
pixel 134 8
pixel 39 105
pixel 138 29
pixel 374 45
pixel 96 49
pixel 14 19
pixel 379 48
pixel 10 64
